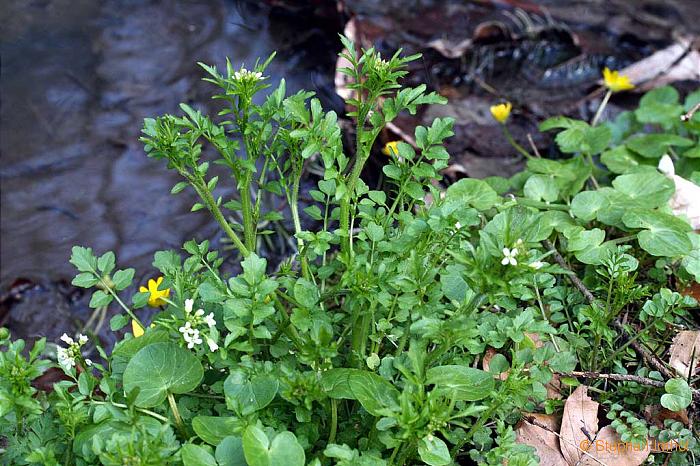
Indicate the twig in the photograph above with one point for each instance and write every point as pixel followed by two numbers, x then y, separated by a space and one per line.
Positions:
pixel 689 115
pixel 617 377
pixel 532 144
pixel 532 420
pixel 648 356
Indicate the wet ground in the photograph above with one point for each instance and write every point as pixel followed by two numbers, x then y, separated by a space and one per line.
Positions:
pixel 78 77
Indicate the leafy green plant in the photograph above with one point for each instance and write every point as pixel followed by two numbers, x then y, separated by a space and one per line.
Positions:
pixel 368 344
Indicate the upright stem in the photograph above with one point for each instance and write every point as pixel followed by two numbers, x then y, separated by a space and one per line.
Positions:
pixel 334 420
pixel 208 199
pixel 249 224
pixel 515 145
pixel 294 207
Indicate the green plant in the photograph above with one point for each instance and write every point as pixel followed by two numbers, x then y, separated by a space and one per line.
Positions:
pixel 368 344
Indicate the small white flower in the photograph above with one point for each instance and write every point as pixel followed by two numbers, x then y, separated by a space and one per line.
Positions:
pixel 88 362
pixel 186 329
pixel 64 357
pixel 82 339
pixel 66 339
pixel 188 305
pixel 509 256
pixel 458 225
pixel 213 347
pixel 519 242
pixel 209 320
pixel 199 313
pixel 536 265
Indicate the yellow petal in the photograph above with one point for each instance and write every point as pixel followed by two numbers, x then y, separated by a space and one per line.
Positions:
pixel 143 289
pixel 136 328
pixel 501 112
pixel 391 148
pixel 159 280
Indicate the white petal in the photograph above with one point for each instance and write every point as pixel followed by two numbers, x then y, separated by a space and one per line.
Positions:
pixel 505 261
pixel 514 252
pixel 506 252
pixel 513 261
pixel 66 339
pixel 188 305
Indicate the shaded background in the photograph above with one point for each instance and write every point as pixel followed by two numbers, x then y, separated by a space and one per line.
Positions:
pixel 79 76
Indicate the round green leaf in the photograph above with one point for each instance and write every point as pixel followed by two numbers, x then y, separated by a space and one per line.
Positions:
pixel 678 395
pixel 194 455
pixel 159 369
pixel 230 452
pixel 471 192
pixel 284 450
pixel 433 451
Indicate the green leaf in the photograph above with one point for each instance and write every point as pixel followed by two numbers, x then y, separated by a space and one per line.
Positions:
pixel 585 239
pixel 461 382
pixel 122 279
pixel 213 429
pixel 541 187
pixel 83 259
pixel 649 187
pixel 230 452
pixel 306 293
pixel 210 293
pixel 470 192
pixel 433 451
pixel 664 235
pixel 194 455
pixel 375 394
pixel 374 232
pixel 678 395
pixel 248 395
pixel 284 450
pixel 619 159
pixel 100 299
pixel 118 322
pixel 653 146
pixel 106 263
pixel 586 205
pixel 126 349
pixel 159 369
pixel 85 280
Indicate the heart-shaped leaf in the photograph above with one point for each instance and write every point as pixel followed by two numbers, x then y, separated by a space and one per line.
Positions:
pixel 678 395
pixel 248 395
pixel 230 452
pixel 194 455
pixel 284 450
pixel 159 369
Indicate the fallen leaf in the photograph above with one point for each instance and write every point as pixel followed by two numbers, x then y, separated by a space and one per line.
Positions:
pixel 545 441
pixel 682 348
pixel 609 449
pixel 657 414
pixel 677 62
pixel 580 415
pixel 486 363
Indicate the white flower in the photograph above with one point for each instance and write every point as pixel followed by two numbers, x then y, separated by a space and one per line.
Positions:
pixel 536 265
pixel 82 339
pixel 212 345
pixel 66 339
pixel 244 74
pixel 509 256
pixel 458 225
pixel 88 362
pixel 188 305
pixel 64 357
pixel 519 242
pixel 199 313
pixel 186 329
pixel 209 320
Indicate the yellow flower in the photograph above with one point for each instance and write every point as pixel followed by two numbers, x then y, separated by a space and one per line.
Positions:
pixel 501 112
pixel 136 329
pixel 154 299
pixel 615 81
pixel 391 148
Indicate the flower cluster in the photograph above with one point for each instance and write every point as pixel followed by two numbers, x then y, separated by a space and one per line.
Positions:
pixel 67 356
pixel 247 75
pixel 509 256
pixel 190 330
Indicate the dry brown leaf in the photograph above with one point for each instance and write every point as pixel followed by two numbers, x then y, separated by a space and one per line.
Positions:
pixel 674 63
pixel 554 388
pixel 609 449
pixel 545 441
pixel 657 414
pixel 450 49
pixel 580 415
pixel 682 348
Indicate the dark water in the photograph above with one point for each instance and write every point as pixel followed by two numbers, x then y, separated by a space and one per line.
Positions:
pixel 78 77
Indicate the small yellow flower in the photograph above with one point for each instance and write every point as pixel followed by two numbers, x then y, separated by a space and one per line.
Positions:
pixel 154 299
pixel 615 81
pixel 136 329
pixel 501 112
pixel 391 148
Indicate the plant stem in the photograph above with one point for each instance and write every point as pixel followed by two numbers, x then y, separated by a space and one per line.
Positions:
pixel 515 145
pixel 602 106
pixel 249 224
pixel 334 420
pixel 176 413
pixel 294 207
pixel 201 188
